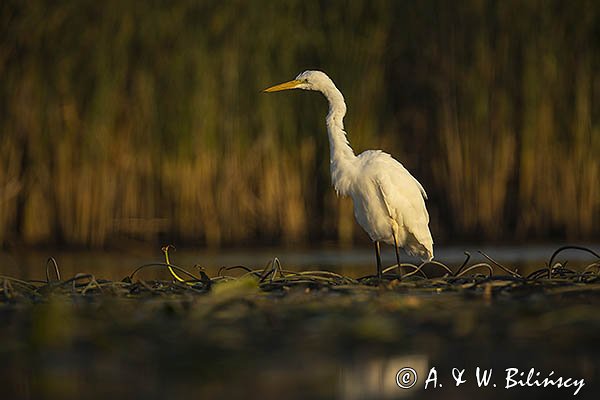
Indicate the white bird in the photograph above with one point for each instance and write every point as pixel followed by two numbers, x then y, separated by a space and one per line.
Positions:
pixel 389 203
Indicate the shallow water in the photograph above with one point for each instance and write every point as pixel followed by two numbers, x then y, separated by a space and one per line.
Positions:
pixel 321 344
pixel 348 261
pixel 299 342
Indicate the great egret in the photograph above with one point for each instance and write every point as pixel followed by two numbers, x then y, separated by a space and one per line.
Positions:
pixel 389 203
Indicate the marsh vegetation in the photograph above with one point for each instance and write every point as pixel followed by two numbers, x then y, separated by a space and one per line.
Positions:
pixel 284 333
pixel 123 123
pixel 120 121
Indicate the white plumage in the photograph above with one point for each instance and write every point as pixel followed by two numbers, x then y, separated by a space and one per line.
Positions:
pixel 389 203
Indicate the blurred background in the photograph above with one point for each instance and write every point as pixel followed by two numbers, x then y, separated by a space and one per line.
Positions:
pixel 144 121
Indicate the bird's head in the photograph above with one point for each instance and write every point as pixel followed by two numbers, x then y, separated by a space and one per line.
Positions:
pixel 307 80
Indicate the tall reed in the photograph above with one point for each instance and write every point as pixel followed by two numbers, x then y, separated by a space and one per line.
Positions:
pixel 122 120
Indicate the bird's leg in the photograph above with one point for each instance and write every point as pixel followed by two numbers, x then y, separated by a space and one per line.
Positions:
pixel 378 255
pixel 397 254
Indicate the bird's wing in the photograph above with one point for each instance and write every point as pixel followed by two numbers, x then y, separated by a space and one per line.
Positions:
pixel 404 199
pixel 399 188
pixel 403 202
pixel 406 207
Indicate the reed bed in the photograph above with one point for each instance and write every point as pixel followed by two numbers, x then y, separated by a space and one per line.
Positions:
pixel 120 121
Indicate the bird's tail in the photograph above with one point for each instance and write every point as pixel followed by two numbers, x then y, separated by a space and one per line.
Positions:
pixel 421 252
pixel 421 248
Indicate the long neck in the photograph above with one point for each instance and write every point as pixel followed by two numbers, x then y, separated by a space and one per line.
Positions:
pixel 341 154
pixel 339 146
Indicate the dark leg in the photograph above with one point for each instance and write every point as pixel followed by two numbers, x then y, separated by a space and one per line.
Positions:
pixel 378 255
pixel 397 254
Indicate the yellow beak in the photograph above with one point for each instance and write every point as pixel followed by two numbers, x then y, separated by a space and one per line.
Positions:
pixel 283 86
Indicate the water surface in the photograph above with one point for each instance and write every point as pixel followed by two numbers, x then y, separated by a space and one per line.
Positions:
pixel 356 261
